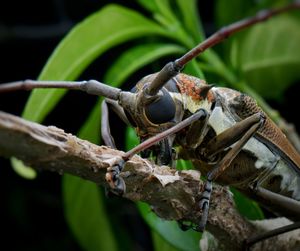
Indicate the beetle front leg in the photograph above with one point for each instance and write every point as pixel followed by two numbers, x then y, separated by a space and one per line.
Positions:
pixel 116 183
pixel 105 126
pixel 239 134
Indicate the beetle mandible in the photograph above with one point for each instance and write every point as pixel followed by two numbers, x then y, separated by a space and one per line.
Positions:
pixel 222 131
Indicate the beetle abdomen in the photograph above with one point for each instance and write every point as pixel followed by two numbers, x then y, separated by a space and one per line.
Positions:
pixel 283 180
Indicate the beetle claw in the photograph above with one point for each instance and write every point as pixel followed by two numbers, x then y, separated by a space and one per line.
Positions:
pixel 205 207
pixel 115 182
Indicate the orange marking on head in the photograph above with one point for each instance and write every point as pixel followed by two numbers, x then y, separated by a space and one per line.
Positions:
pixel 190 86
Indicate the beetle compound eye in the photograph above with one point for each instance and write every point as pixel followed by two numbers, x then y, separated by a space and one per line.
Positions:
pixel 161 110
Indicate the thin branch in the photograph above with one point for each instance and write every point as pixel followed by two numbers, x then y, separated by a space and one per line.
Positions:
pixel 172 194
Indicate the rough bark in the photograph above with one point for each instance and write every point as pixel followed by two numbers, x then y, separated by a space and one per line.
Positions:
pixel 172 194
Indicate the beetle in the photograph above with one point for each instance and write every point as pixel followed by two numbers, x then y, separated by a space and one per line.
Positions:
pixel 219 129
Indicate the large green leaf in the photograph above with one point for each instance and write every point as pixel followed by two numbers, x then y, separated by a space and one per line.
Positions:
pixel 228 13
pixel 83 204
pixel 269 55
pixel 137 57
pixel 160 244
pixel 194 70
pixel 246 206
pixel 165 9
pixel 85 214
pixel 150 5
pixel 87 41
pixel 170 231
pixel 191 19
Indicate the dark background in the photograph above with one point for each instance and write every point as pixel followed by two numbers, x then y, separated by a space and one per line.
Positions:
pixel 31 211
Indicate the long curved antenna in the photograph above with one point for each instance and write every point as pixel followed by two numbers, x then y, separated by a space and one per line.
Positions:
pixel 91 86
pixel 171 69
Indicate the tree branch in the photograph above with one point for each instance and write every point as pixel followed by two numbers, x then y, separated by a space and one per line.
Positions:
pixel 172 194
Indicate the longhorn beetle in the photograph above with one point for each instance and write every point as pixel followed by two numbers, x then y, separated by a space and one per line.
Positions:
pixel 221 130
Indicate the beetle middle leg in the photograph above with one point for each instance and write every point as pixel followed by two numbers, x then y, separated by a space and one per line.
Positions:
pixel 239 134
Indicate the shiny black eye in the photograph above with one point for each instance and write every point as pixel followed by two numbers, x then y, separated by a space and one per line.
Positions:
pixel 162 110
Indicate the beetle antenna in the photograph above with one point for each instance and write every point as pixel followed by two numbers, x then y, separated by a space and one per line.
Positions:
pixel 171 69
pixel 91 87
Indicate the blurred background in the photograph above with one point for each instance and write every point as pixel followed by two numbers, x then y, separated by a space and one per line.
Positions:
pixel 32 216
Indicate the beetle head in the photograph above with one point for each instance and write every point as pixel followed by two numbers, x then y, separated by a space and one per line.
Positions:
pixel 151 114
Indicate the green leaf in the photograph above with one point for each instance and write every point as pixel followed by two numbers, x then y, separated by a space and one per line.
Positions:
pixel 184 164
pixel 148 4
pixel 191 19
pixel 246 206
pixel 228 13
pixel 164 7
pixel 269 56
pixel 87 41
pixel 193 69
pixel 86 214
pixel 22 170
pixel 170 231
pixel 91 128
pixel 161 244
pixel 131 138
pixel 83 204
pixel 137 57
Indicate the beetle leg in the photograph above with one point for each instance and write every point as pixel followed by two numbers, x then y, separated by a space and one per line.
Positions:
pixel 240 140
pixel 164 154
pixel 281 230
pixel 199 115
pixel 290 205
pixel 116 183
pixel 230 136
pixel 234 151
pixel 105 126
pixel 204 205
pixel 196 133
pixel 117 109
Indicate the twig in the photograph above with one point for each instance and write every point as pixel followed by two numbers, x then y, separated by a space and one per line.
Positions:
pixel 172 194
